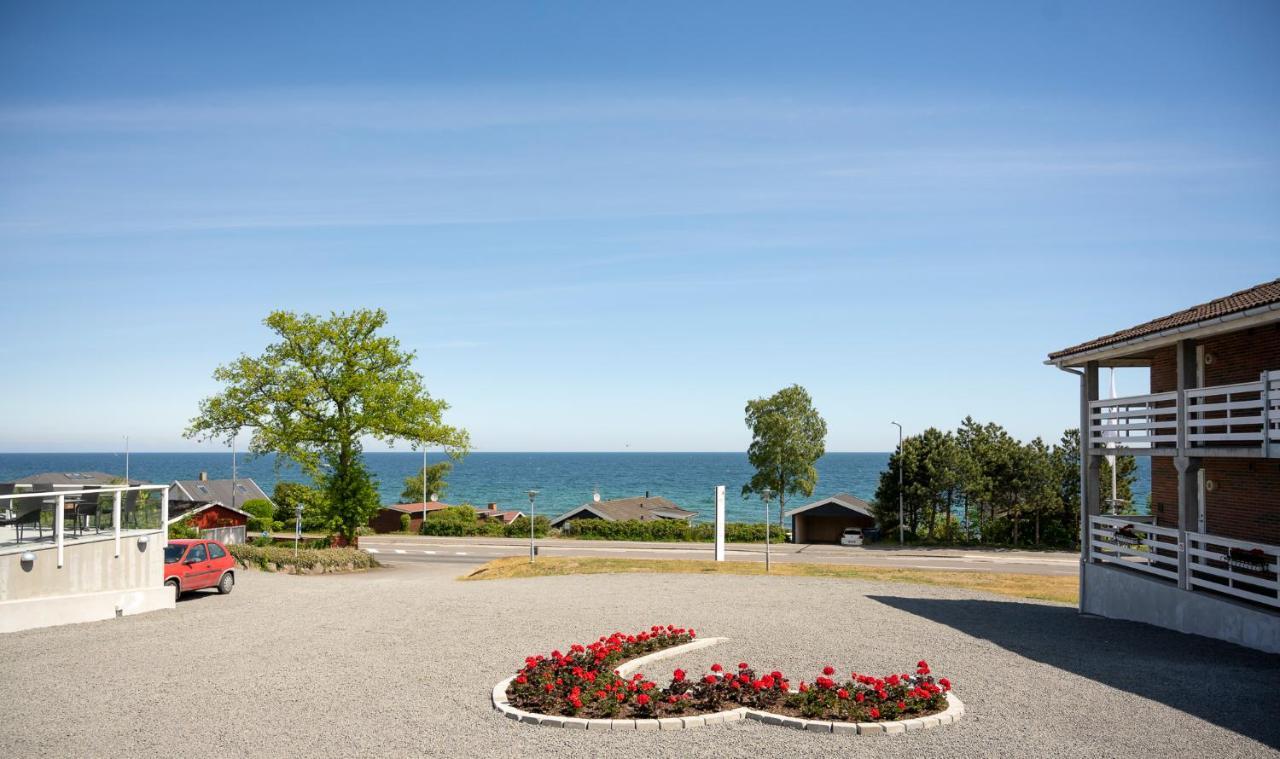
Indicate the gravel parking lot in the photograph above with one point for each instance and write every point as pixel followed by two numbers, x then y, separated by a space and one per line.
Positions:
pixel 400 662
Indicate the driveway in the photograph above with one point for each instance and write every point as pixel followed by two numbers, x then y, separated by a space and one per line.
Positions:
pixel 400 661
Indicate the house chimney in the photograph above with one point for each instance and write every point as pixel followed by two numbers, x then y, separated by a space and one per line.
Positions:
pixel 204 476
pixel 493 506
pixel 646 494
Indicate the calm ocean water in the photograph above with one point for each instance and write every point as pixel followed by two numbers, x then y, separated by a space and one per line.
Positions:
pixel 564 480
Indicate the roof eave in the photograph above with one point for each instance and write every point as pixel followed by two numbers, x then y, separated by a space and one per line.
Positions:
pixel 1255 316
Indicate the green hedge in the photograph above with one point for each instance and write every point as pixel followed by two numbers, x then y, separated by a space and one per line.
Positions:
pixel 669 530
pixel 307 558
pixel 462 521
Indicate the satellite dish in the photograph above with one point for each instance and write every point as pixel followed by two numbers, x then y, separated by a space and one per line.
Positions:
pixel 434 497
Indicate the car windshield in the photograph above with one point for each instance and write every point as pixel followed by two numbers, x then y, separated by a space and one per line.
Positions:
pixel 173 552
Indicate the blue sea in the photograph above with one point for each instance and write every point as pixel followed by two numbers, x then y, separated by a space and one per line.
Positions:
pixel 564 480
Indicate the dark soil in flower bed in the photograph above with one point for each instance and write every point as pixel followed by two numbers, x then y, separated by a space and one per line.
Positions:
pixel 584 683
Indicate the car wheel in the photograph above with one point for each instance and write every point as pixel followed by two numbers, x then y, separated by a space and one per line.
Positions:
pixel 227 582
pixel 177 590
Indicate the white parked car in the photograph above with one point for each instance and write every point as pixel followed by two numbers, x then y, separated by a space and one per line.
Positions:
pixel 852 536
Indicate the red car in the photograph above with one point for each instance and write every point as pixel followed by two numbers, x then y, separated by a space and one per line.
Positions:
pixel 196 564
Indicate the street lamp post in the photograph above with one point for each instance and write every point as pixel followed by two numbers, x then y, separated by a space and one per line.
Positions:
pixel 900 525
pixel 424 486
pixel 532 551
pixel 766 495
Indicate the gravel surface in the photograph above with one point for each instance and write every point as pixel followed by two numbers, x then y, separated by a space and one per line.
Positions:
pixel 401 661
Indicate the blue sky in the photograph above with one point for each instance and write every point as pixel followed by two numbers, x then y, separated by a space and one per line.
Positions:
pixel 606 228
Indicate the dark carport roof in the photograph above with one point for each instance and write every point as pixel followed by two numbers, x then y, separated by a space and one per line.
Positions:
pixel 847 501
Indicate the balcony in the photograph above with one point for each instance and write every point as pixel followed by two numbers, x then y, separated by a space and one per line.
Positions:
pixel 1244 570
pixel 1222 420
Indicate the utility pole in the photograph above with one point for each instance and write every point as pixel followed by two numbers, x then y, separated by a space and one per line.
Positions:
pixel 901 527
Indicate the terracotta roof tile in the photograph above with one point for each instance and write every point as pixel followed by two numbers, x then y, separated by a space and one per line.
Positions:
pixel 1258 295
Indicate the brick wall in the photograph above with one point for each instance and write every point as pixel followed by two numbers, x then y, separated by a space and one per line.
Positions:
pixel 1164 491
pixel 1245 502
pixel 1242 356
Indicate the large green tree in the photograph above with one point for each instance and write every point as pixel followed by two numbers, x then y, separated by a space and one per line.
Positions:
pixel 313 396
pixel 788 436
pixel 434 475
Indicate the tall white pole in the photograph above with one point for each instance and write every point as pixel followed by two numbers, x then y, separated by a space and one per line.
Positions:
pixel 767 524
pixel 424 486
pixel 719 522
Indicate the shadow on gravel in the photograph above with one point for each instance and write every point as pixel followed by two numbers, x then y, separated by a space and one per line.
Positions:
pixel 1227 685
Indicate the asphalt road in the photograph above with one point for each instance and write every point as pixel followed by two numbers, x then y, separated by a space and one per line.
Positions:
pixel 401 548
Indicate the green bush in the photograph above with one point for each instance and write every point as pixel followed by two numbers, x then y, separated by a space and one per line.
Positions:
pixel 669 530
pixel 183 528
pixel 453 521
pixel 261 514
pixel 307 558
pixel 520 527
pixel 405 519
pixel 289 495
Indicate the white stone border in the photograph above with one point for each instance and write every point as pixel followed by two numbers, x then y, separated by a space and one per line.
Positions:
pixel 955 709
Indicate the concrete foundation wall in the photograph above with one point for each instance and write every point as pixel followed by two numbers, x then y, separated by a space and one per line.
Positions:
pixel 93 583
pixel 1121 594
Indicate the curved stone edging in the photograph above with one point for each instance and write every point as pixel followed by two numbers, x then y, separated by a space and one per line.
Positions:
pixel 955 709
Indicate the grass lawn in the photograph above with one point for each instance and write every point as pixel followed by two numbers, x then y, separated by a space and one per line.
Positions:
pixel 1039 587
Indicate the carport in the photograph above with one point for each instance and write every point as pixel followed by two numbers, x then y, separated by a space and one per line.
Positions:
pixel 824 520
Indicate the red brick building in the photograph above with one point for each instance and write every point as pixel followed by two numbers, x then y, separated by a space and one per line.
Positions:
pixel 1206 560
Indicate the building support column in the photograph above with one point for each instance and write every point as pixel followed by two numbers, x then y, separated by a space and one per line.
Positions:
pixel 1188 505
pixel 1188 466
pixel 1090 467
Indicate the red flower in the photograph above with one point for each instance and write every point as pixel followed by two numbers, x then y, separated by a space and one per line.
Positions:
pixel 945 683
pixel 803 688
pixel 709 679
pixel 742 665
pixel 828 670
pixel 860 697
pixel 875 713
pixel 902 706
pixel 678 675
pixel 842 694
pixel 642 699
pixel 716 668
pixel 922 663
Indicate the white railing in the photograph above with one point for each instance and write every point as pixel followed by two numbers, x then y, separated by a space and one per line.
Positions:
pixel 1235 567
pixel 1226 416
pixel 15 505
pixel 1136 421
pixel 1144 547
pixel 1229 413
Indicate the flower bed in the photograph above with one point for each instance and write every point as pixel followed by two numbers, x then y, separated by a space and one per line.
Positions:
pixel 585 683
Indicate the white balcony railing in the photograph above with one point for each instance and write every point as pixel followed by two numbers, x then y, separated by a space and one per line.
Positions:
pixel 1144 547
pixel 1136 421
pixel 1235 567
pixel 127 509
pixel 1245 414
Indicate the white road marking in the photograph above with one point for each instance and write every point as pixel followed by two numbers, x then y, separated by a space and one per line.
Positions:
pixel 401 550
pixel 430 553
pixel 371 550
pixel 459 553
